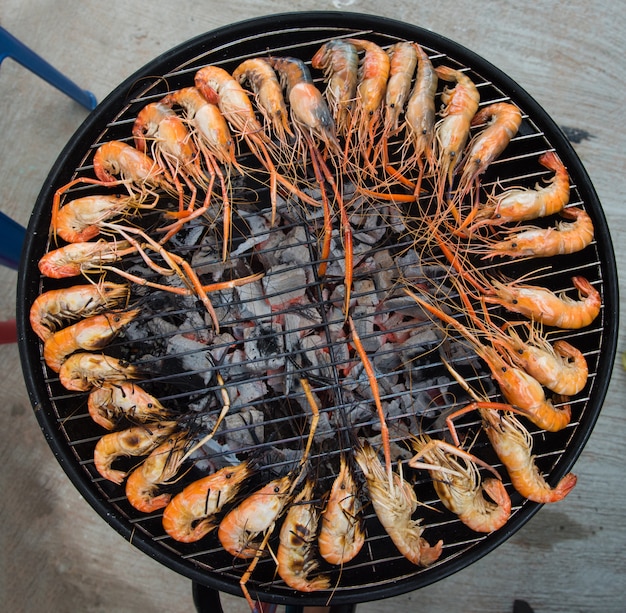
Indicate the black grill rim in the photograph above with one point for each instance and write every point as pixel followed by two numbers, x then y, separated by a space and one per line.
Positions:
pixel 70 158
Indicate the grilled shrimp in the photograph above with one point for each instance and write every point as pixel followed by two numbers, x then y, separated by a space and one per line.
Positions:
pixel 296 553
pixel 260 75
pixel 191 514
pixel 459 486
pixel 217 86
pixel 53 308
pixel 373 75
pixel 157 469
pixel 341 535
pixel 309 110
pixel 513 445
pixel 340 62
pixel 210 129
pixel 117 162
pixel 521 204
pixel 239 530
pixel 544 306
pixel 561 367
pixel 503 121
pixel 516 385
pixel 80 220
pixel 452 131
pixel 95 332
pixel 134 441
pixel 402 64
pixel 109 403
pixel 395 502
pixel 173 148
pixel 532 242
pixel 158 124
pixel 77 258
pixel 420 112
pixel 83 371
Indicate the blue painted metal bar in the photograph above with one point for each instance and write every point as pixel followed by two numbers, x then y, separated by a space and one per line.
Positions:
pixel 13 48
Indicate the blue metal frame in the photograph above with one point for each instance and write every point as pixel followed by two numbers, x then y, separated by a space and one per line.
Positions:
pixel 13 48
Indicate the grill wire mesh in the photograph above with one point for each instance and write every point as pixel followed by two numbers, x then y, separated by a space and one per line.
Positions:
pixel 287 326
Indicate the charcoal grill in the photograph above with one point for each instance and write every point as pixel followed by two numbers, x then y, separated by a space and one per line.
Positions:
pixel 182 374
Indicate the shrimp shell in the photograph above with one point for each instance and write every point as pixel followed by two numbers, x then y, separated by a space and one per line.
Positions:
pixel 266 87
pixel 452 131
pixel 504 120
pixel 402 64
pixel 420 109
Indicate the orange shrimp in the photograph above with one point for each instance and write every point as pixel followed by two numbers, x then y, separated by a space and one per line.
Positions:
pixel 135 441
pixel 257 514
pixel 532 242
pixel 503 121
pixel 459 486
pixel 341 535
pixel 92 333
pixel 521 204
pixel 452 131
pixel 211 132
pixel 216 85
pixel 420 114
pixel 109 403
pixel 561 367
pixel 53 308
pixel 116 162
pixel 191 514
pixel 309 110
pixel 340 62
pixel 77 258
pixel 402 63
pixel 546 307
pixel 157 469
pixel 513 445
pixel 80 220
pixel 517 386
pixel 373 75
pixel 83 371
pixel 172 147
pixel 296 557
pixel 394 502
pixel 267 89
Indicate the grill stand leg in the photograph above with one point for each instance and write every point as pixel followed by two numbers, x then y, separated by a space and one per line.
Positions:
pixel 207 600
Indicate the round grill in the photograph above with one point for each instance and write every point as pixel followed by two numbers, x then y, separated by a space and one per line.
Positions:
pixel 289 325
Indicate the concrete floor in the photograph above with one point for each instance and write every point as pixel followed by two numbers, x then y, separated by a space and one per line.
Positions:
pixel 56 553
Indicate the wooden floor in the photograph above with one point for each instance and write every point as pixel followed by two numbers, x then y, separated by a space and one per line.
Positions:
pixel 56 554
